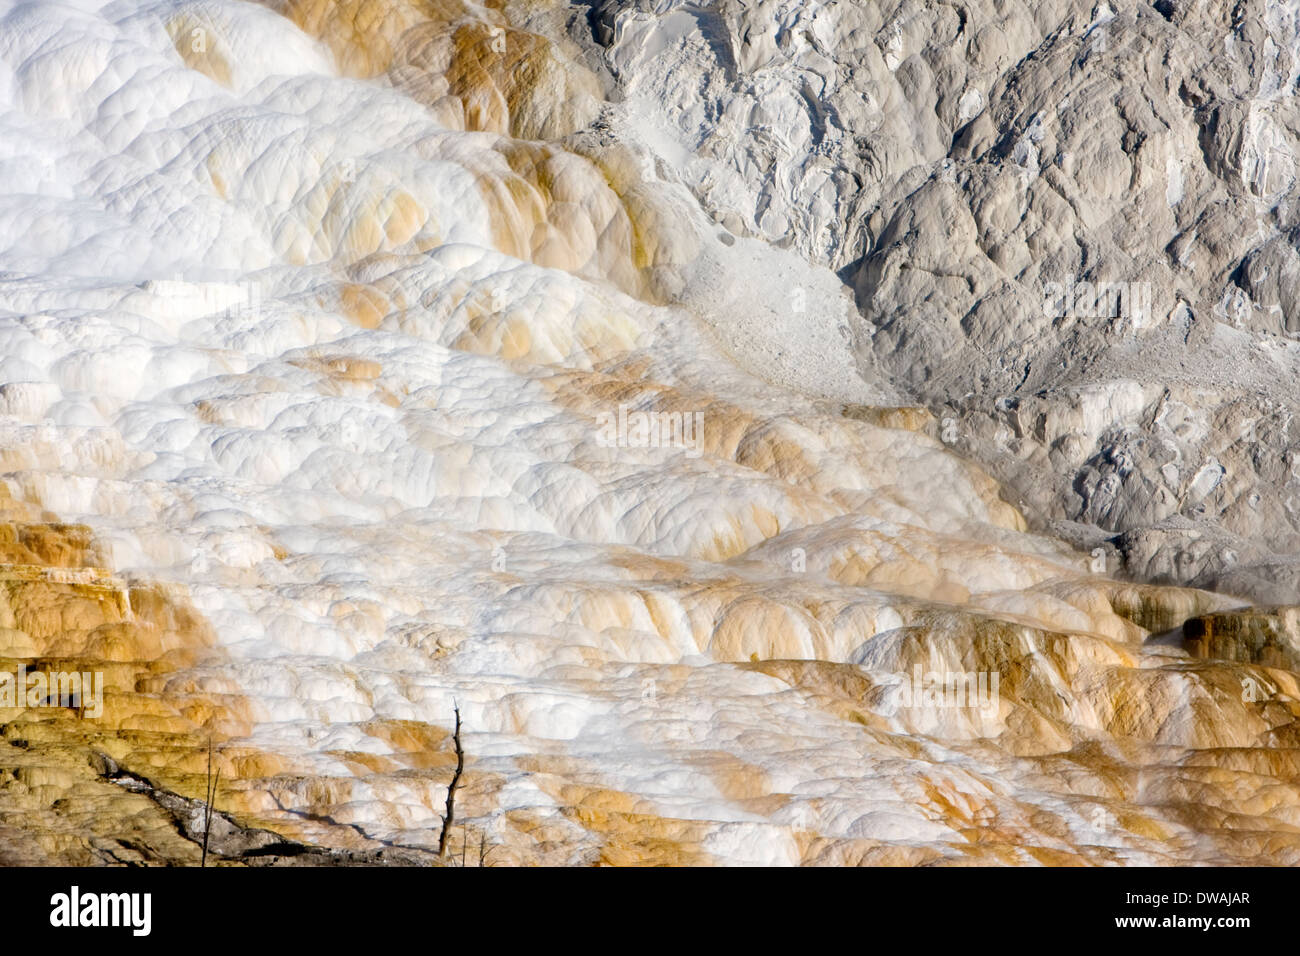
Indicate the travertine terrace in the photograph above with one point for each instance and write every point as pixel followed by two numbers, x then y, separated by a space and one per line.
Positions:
pixel 666 386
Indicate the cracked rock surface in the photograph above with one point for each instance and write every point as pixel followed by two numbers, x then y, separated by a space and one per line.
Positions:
pixel 1071 228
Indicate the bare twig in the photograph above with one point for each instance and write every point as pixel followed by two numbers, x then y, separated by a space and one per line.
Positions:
pixel 210 795
pixel 482 848
pixel 450 816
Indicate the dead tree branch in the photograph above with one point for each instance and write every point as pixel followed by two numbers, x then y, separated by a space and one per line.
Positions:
pixel 450 816
pixel 209 796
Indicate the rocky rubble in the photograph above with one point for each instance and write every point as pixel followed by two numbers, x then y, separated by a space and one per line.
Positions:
pixel 1071 229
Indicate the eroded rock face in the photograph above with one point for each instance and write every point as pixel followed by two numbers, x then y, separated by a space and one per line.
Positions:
pixel 1034 203
pixel 1257 636
pixel 376 369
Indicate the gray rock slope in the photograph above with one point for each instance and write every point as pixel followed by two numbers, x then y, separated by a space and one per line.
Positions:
pixel 1071 229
